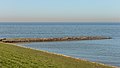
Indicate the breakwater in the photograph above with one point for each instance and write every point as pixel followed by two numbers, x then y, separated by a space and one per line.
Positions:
pixel 18 40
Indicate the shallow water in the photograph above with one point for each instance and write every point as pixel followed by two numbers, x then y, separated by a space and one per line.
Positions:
pixel 105 51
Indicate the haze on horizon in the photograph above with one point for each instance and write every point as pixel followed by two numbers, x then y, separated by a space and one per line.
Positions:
pixel 59 10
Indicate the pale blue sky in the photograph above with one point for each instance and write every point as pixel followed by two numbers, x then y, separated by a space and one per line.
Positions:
pixel 59 10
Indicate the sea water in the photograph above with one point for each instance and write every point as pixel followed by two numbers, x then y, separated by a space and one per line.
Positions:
pixel 103 51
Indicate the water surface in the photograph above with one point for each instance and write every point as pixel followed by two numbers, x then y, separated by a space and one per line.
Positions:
pixel 104 51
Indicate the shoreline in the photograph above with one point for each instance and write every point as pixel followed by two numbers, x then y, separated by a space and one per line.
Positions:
pixel 66 56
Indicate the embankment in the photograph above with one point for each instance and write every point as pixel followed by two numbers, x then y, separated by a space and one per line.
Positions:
pixel 12 56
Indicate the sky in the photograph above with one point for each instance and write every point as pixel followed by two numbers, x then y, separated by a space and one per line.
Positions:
pixel 60 10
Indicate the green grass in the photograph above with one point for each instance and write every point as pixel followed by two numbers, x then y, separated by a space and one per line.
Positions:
pixel 12 56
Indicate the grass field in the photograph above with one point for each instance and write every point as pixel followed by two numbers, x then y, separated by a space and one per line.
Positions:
pixel 12 56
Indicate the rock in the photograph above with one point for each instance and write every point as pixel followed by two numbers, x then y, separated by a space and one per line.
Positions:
pixel 2 39
pixel 17 40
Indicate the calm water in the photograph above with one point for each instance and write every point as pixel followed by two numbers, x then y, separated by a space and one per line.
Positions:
pixel 104 51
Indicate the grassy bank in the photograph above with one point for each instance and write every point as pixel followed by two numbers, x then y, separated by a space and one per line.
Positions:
pixel 12 56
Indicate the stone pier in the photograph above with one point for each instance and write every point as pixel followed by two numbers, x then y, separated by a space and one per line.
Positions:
pixel 20 40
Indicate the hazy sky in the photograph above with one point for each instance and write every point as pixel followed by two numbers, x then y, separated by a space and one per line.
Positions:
pixel 60 10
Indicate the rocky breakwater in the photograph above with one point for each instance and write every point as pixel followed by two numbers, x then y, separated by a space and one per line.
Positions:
pixel 18 40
